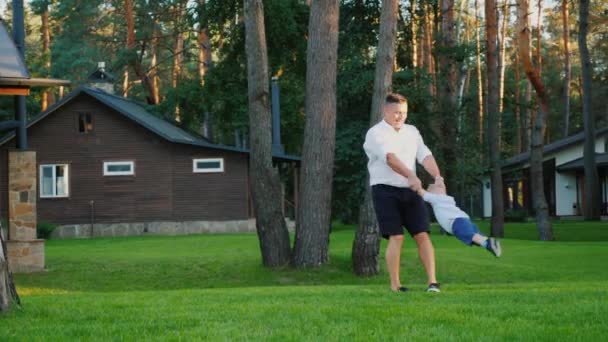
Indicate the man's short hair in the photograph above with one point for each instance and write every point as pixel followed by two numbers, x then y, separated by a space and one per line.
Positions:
pixel 395 98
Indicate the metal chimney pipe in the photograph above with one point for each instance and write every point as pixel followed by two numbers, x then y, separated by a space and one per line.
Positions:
pixel 19 38
pixel 277 147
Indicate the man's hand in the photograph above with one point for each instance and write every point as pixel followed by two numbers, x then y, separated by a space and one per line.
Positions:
pixel 415 183
pixel 439 180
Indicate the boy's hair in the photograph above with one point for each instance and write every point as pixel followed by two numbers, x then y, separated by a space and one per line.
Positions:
pixel 395 98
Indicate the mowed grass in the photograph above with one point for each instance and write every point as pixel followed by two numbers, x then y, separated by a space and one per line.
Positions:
pixel 212 287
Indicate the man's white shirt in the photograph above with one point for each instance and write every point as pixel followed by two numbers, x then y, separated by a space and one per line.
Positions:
pixel 406 144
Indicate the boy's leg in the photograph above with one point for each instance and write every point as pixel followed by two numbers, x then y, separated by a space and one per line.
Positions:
pixel 480 240
pixel 466 231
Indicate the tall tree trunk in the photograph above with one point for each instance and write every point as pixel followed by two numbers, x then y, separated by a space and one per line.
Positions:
pixel 428 49
pixel 539 30
pixel 414 35
pixel 8 292
pixel 493 118
pixel 366 247
pixel 479 74
pixel 178 49
pixel 518 135
pixel 314 215
pixel 134 61
pixel 502 61
pixel 448 90
pixel 265 182
pixel 204 43
pixel 153 73
pixel 567 70
pixel 48 98
pixel 540 124
pixel 527 117
pixel 591 209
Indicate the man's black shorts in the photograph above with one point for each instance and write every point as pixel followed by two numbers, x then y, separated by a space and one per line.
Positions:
pixel 397 208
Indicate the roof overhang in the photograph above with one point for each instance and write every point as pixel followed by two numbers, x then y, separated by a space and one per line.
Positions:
pixel 601 162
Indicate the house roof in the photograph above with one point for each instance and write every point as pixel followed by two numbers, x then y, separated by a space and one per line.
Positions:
pixel 553 147
pixel 137 113
pixel 100 75
pixel 601 161
pixel 11 63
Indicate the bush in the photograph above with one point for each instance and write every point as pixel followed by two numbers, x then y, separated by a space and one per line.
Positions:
pixel 44 230
pixel 516 215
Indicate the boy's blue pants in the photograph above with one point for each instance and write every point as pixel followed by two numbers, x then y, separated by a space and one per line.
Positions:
pixel 464 229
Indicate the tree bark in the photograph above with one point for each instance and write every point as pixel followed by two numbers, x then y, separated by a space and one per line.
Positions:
pixel 414 35
pixel 540 124
pixel 8 292
pixel 312 233
pixel 591 209
pixel 48 98
pixel 178 49
pixel 502 61
pixel 366 247
pixel 134 61
pixel 539 27
pixel 153 71
pixel 265 183
pixel 479 74
pixel 428 49
pixel 567 70
pixel 518 135
pixel 448 90
pixel 493 119
pixel 204 43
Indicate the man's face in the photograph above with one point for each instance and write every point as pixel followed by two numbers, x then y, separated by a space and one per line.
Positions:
pixel 395 114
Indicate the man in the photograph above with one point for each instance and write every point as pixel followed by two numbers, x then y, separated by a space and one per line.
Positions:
pixel 393 149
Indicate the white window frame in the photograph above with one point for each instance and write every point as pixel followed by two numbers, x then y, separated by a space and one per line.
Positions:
pixel 54 180
pixel 196 169
pixel 106 172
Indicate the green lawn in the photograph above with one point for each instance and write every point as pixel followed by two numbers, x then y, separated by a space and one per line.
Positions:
pixel 213 287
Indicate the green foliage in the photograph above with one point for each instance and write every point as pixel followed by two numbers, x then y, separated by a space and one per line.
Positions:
pixel 516 215
pixel 45 229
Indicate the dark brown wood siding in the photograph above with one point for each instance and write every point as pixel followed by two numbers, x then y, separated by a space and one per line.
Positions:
pixel 163 187
pixel 209 196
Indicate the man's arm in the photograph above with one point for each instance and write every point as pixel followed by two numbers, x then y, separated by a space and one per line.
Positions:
pixel 430 165
pixel 397 165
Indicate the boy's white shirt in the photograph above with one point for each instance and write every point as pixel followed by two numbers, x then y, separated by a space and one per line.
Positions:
pixel 445 209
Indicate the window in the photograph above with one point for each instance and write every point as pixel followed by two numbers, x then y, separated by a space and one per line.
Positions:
pixel 54 181
pixel 208 165
pixel 85 123
pixel 119 168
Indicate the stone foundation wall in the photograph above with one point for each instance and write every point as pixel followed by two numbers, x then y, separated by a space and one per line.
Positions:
pixel 79 231
pixel 25 256
pixel 22 195
pixel 25 252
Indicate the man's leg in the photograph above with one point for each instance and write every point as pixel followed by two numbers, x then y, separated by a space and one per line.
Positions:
pixel 393 260
pixel 427 255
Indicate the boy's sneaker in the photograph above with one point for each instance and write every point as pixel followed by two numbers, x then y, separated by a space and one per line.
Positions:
pixel 494 247
pixel 433 287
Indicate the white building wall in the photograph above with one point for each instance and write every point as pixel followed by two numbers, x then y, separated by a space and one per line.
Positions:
pixel 565 183
pixel 487 197
pixel 565 194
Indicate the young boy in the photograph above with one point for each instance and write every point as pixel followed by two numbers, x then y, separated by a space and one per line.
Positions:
pixel 455 221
